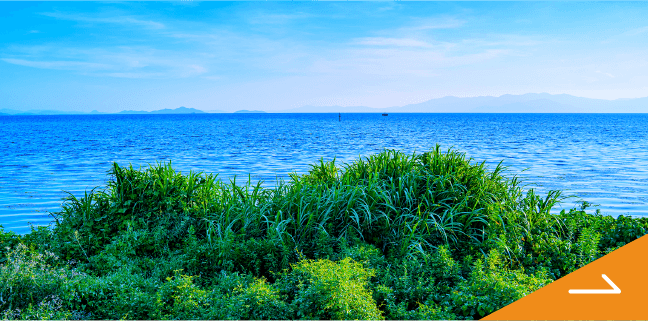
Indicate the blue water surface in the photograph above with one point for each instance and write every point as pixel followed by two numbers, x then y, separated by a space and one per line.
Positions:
pixel 599 158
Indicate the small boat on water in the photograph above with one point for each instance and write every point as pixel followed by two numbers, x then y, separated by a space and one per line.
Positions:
pixel 385 114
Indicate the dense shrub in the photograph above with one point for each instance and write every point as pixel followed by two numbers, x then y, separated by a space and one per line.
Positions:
pixel 28 277
pixel 324 289
pixel 48 309
pixel 490 286
pixel 180 298
pixel 259 301
pixel 7 241
pixel 394 236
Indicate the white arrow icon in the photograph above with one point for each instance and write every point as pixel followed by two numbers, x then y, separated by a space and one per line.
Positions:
pixel 615 289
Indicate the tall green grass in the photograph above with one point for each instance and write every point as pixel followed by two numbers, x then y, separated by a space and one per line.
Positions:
pixel 406 205
pixel 433 233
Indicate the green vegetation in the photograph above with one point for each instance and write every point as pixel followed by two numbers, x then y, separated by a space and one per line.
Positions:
pixel 392 236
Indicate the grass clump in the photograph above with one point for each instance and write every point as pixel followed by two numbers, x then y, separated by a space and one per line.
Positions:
pixel 391 236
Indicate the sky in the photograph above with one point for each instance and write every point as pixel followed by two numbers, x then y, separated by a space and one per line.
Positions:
pixel 113 56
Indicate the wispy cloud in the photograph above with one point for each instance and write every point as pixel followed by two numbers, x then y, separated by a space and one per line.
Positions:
pixel 133 75
pixel 193 70
pixel 123 62
pixel 265 18
pixel 120 20
pixel 388 7
pixel 398 42
pixel 59 65
pixel 434 23
pixel 398 62
pixel 626 35
pixel 637 31
pixel 605 73
pixel 507 40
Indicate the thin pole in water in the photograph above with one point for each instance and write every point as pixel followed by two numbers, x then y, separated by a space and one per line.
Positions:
pixel 340 117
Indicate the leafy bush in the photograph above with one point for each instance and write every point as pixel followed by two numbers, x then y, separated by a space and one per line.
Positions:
pixel 51 308
pixel 7 241
pixel 258 301
pixel 180 298
pixel 432 235
pixel 28 277
pixel 324 289
pixel 492 286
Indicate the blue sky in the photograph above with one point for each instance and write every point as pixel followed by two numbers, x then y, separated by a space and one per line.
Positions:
pixel 278 55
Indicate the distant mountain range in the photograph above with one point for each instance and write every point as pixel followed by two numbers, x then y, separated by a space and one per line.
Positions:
pixel 36 112
pixel 179 110
pixel 527 103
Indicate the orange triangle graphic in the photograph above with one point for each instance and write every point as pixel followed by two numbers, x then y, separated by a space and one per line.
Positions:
pixel 612 287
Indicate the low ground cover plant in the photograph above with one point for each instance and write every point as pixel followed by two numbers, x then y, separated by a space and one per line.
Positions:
pixel 391 236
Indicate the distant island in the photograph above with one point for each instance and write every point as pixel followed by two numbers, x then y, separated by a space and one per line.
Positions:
pixel 179 110
pixel 526 103
pixel 245 111
pixel 37 112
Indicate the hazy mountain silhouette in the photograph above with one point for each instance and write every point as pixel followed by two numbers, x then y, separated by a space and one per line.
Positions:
pixel 179 110
pixel 527 103
pixel 37 112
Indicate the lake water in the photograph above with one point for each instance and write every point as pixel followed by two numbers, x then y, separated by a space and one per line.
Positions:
pixel 600 158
